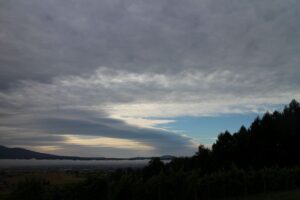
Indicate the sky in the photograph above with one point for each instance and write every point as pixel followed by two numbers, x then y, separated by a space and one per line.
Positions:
pixel 125 78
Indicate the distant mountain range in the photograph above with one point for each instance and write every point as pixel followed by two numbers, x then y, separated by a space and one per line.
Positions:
pixel 20 153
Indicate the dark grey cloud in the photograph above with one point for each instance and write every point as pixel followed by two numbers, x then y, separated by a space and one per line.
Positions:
pixel 39 129
pixel 102 68
pixel 43 39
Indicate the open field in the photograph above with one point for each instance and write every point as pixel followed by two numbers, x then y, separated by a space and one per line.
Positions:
pixel 283 195
pixel 10 178
pixel 62 178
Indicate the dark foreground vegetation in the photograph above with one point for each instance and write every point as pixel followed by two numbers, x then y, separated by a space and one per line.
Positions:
pixel 262 158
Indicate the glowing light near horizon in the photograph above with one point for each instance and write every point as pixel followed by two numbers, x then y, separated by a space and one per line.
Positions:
pixel 44 148
pixel 107 142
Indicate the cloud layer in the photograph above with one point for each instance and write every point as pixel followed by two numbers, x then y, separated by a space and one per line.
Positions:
pixel 110 71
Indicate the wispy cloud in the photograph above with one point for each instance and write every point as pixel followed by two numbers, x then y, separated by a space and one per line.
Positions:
pixel 118 69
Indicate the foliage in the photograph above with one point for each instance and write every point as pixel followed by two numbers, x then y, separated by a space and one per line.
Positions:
pixel 271 140
pixel 264 157
pixel 175 185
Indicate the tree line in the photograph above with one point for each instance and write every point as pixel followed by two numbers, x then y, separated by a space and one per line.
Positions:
pixel 264 157
pixel 272 140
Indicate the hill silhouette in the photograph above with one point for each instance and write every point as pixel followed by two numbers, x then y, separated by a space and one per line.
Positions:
pixel 20 153
pixel 261 158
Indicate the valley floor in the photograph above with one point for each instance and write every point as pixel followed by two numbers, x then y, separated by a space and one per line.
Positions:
pixel 282 195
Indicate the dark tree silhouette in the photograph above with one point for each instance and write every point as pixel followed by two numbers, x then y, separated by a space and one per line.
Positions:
pixel 271 140
pixel 264 157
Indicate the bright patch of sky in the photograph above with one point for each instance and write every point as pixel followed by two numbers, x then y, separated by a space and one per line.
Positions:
pixel 205 130
pixel 136 78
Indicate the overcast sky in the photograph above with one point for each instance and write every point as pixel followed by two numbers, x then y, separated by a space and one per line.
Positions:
pixel 117 77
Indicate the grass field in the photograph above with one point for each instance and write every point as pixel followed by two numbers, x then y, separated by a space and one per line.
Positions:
pixel 284 195
pixel 62 178
pixel 8 179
